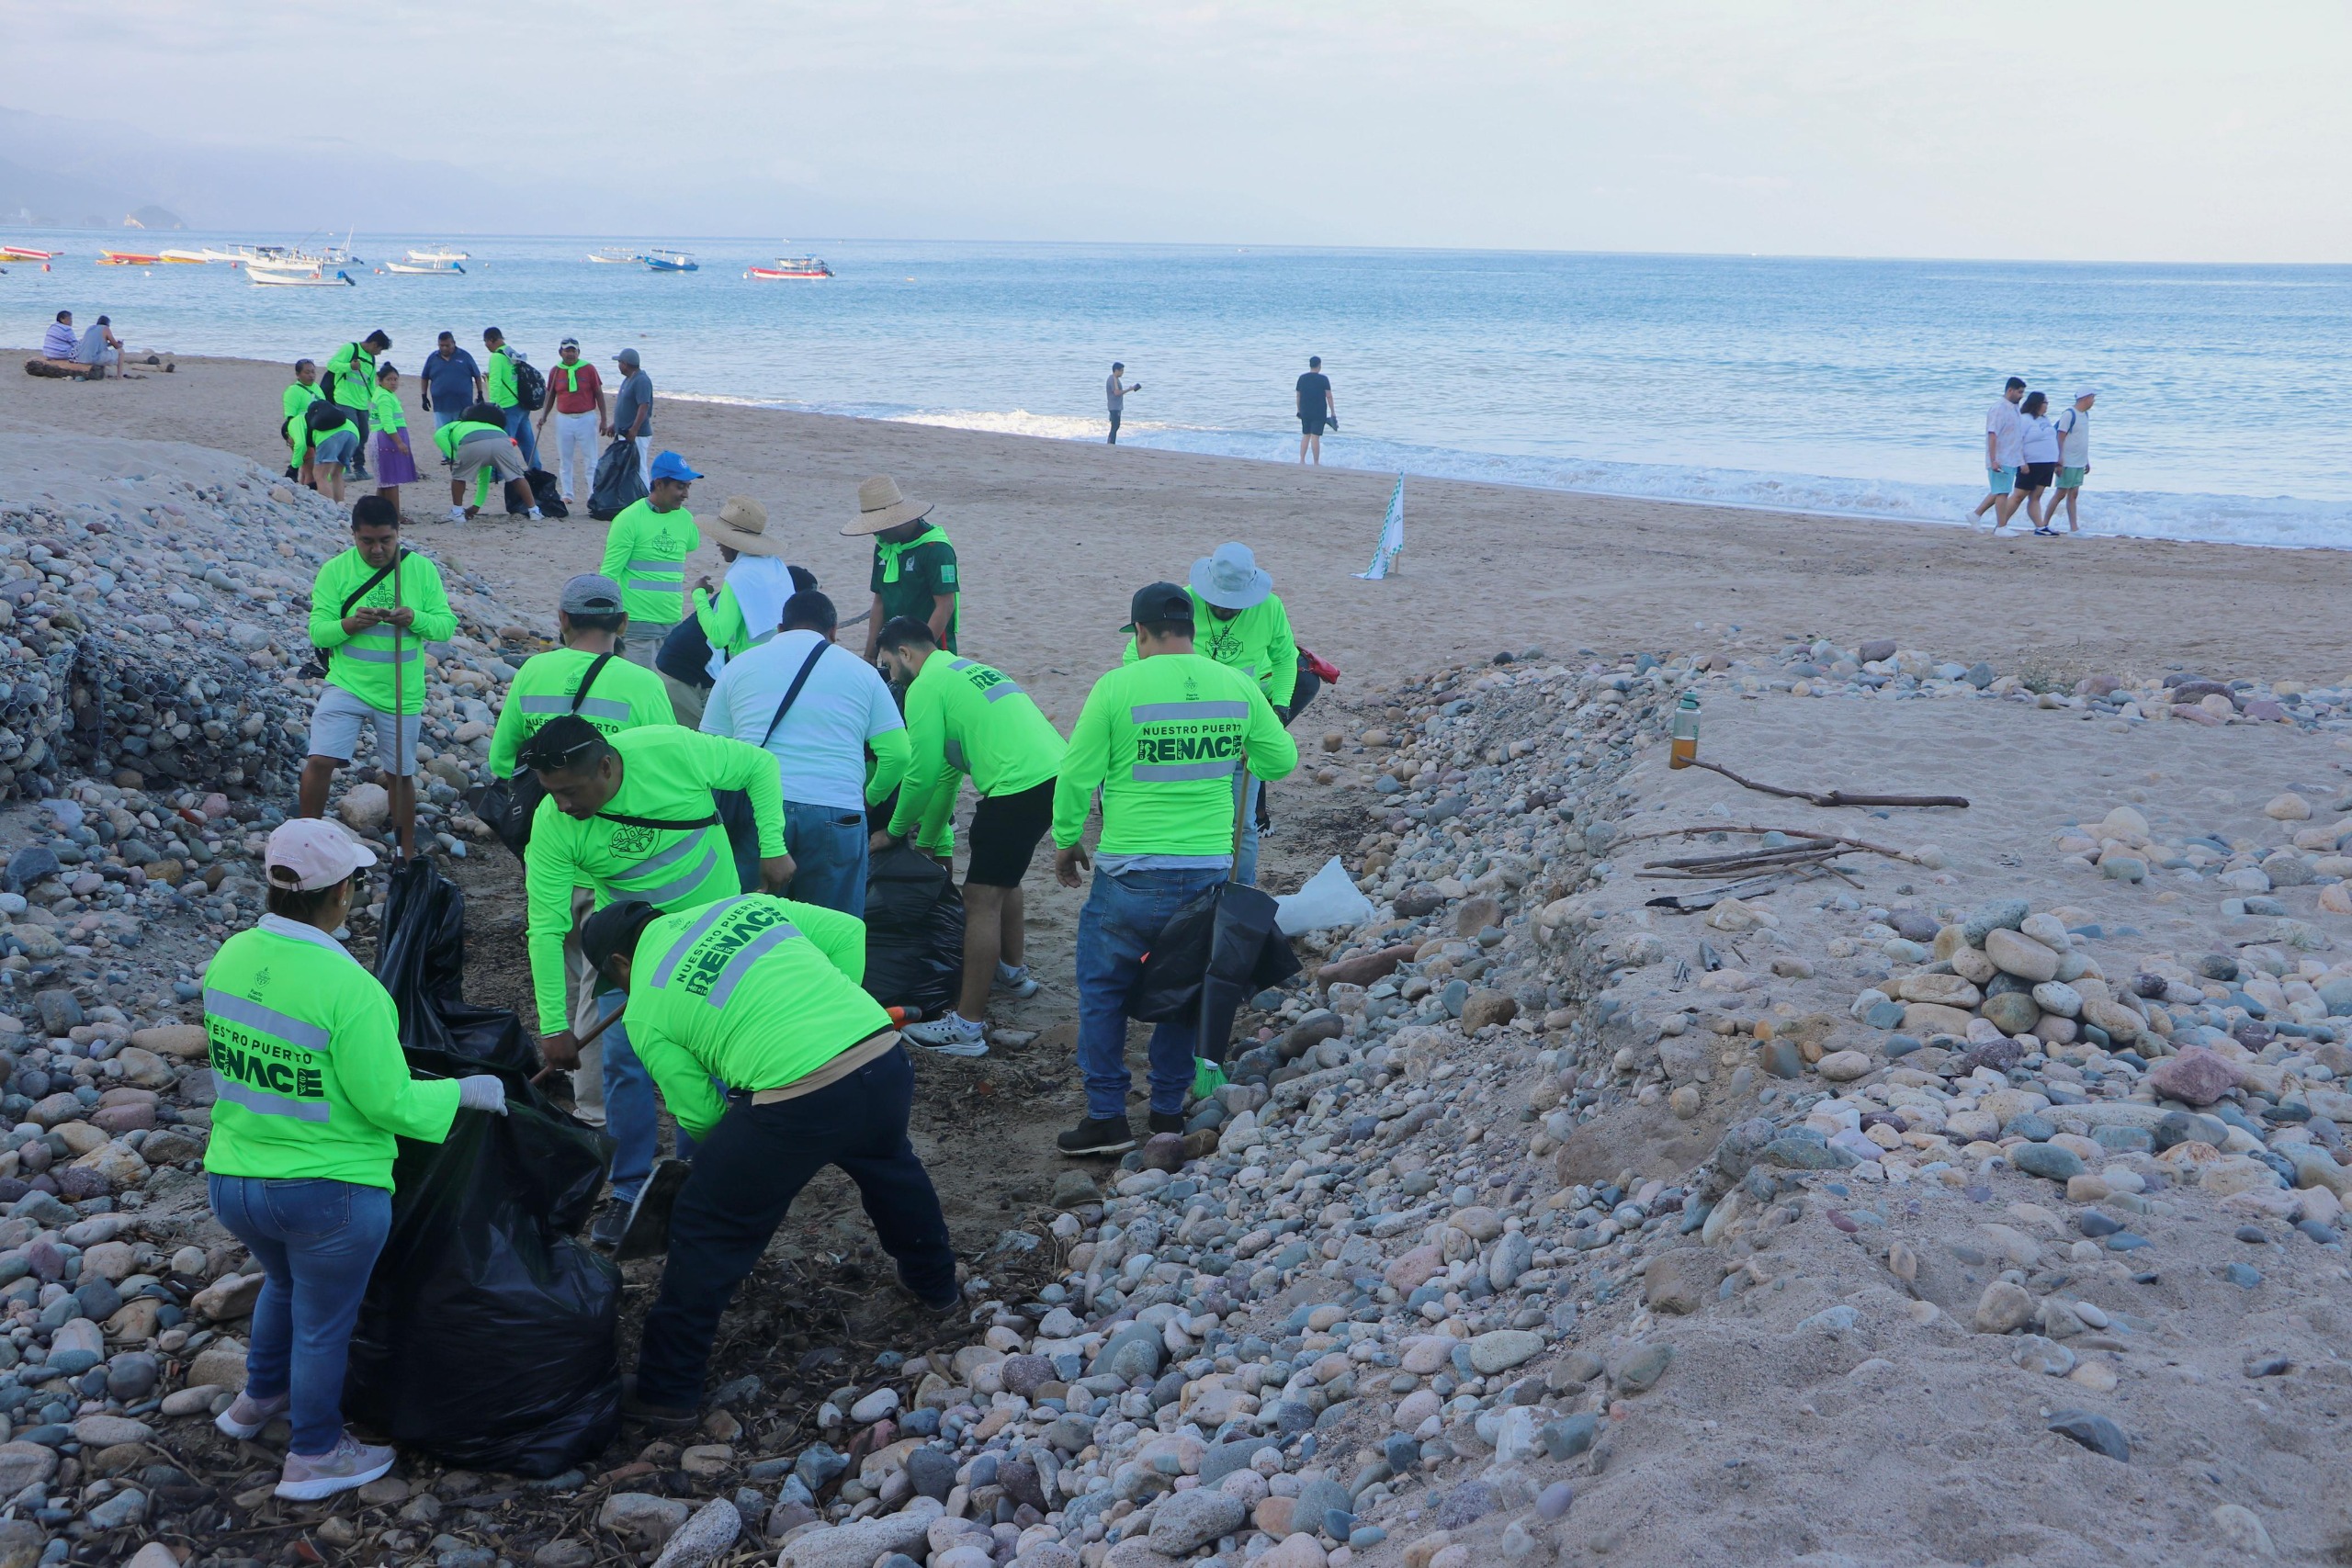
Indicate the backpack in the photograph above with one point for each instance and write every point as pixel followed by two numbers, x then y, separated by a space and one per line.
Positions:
pixel 529 384
pixel 322 416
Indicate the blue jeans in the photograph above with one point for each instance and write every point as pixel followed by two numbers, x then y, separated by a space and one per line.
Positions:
pixel 829 855
pixel 317 1243
pixel 1123 916
pixel 518 425
pixel 1248 859
pixel 752 1164
pixel 631 1112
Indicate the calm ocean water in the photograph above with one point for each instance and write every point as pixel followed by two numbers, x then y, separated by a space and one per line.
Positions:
pixel 1845 387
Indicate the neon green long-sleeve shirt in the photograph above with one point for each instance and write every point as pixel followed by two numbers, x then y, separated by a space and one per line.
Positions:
pixel 626 696
pixel 354 369
pixel 964 717
pixel 645 552
pixel 498 381
pixel 755 991
pixel 362 664
pixel 1257 641
pixel 306 1065
pixel 1162 738
pixel 297 403
pixel 667 776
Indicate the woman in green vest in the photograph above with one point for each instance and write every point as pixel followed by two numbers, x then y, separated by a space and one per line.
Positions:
pixel 312 1091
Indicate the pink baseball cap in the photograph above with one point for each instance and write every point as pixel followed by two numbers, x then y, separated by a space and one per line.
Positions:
pixel 309 853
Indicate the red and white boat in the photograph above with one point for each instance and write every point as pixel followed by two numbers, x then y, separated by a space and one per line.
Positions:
pixel 792 267
pixel 129 258
pixel 25 253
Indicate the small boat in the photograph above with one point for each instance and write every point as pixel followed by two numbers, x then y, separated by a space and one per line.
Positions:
pixel 617 256
pixel 185 258
pixel 128 258
pixel 792 267
pixel 440 255
pixel 25 253
pixel 311 277
pixel 658 260
pixel 425 269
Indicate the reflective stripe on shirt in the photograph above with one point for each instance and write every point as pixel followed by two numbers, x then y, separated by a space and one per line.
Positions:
pixel 693 933
pixel 740 965
pixel 767 928
pixel 1176 772
pixel 677 887
pixel 265 1102
pixel 1150 713
pixel 276 1025
pixel 590 707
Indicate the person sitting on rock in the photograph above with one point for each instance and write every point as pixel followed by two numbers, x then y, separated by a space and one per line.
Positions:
pixel 372 609
pixel 749 1015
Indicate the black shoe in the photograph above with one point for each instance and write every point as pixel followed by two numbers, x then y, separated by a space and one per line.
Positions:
pixel 610 1224
pixel 1098 1136
pixel 645 1229
pixel 1167 1120
pixel 662 1417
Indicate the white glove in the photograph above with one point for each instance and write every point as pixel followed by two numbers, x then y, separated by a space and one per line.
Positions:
pixel 481 1092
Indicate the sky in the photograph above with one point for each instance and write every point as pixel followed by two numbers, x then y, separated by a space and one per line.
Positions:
pixel 2154 130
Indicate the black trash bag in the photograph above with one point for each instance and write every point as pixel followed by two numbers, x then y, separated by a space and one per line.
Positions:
pixel 1214 953
pixel 619 480
pixel 914 932
pixel 547 493
pixel 684 655
pixel 487 1335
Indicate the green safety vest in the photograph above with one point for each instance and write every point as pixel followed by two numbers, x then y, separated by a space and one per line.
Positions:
pixel 645 552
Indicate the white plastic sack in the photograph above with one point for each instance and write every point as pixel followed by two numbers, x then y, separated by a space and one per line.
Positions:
pixel 1330 899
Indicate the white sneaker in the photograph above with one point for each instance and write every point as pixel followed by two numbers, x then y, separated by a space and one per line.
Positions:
pixel 535 515
pixel 457 515
pixel 952 1036
pixel 1015 980
pixel 351 1465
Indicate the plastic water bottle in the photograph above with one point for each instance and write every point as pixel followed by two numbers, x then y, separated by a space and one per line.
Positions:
pixel 1685 748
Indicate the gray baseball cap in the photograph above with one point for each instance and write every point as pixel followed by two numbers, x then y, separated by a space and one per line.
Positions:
pixel 592 594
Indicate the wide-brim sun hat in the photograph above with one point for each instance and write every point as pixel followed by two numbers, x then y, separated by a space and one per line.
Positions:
pixel 881 507
pixel 1231 579
pixel 741 526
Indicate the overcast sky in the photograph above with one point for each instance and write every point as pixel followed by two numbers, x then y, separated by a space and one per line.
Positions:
pixel 2148 130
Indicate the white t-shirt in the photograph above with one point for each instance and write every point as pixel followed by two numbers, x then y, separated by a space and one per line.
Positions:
pixel 2009 440
pixel 2041 441
pixel 2074 426
pixel 821 746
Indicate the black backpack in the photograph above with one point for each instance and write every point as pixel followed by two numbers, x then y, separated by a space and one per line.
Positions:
pixel 530 386
pixel 508 805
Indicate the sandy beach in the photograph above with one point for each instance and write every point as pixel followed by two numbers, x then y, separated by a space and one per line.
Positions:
pixel 1055 535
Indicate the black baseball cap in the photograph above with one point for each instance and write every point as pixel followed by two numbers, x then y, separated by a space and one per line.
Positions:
pixel 601 933
pixel 1158 601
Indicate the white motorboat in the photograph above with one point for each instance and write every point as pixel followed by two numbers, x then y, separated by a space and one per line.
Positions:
pixel 426 269
pixel 617 256
pixel 441 255
pixel 310 278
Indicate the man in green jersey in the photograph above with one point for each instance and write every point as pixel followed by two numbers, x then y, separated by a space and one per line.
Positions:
pixel 502 386
pixel 964 718
pixel 915 563
pixel 585 676
pixel 300 393
pixel 632 816
pixel 351 372
pixel 1165 740
pixel 373 608
pixel 645 551
pixel 1240 621
pixel 749 1014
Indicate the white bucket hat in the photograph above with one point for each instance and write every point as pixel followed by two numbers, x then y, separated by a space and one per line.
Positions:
pixel 1231 580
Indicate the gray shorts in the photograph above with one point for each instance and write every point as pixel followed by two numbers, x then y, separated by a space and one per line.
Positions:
pixel 334 731
pixel 496 452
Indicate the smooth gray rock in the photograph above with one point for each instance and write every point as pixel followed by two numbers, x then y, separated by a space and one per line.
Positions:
pixel 1186 1521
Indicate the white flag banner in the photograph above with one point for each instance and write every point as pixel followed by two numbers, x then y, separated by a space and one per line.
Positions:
pixel 1392 536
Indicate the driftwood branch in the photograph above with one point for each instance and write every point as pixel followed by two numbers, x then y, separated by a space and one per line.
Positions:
pixel 1831 797
pixel 1791 832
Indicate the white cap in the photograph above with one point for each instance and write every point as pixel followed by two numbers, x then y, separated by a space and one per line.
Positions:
pixel 2086 393
pixel 309 853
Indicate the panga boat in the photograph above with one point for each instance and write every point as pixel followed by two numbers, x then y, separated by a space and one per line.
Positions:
pixel 128 258
pixel 25 253
pixel 617 256
pixel 425 269
pixel 314 277
pixel 185 258
pixel 792 267
pixel 671 261
pixel 440 253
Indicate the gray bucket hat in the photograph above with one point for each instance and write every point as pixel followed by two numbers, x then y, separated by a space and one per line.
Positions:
pixel 1231 580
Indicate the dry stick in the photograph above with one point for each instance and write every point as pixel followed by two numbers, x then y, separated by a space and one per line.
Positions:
pixel 1832 798
pixel 1791 832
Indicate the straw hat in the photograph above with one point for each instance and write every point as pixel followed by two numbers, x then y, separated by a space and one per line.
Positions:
pixel 880 507
pixel 1231 579
pixel 742 527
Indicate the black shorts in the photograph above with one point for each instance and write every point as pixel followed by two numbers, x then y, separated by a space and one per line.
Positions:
pixel 1310 423
pixel 1005 831
pixel 2036 475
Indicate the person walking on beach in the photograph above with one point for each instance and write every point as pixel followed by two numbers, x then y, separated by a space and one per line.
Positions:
pixel 351 381
pixel 633 410
pixel 300 393
pixel 1117 393
pixel 2037 463
pixel 504 387
pixel 2004 448
pixel 395 459
pixel 1316 410
pixel 576 398
pixel 2074 427
pixel 915 564
pixel 452 382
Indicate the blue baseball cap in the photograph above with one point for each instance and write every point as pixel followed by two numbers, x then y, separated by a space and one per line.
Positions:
pixel 670 466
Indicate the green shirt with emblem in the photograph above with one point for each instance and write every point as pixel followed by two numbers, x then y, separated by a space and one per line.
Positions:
pixel 755 991
pixel 362 664
pixel 910 578
pixel 499 380
pixel 354 369
pixel 625 697
pixel 964 717
pixel 308 1076
pixel 1162 738
pixel 645 552
pixel 1257 641
pixel 667 776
